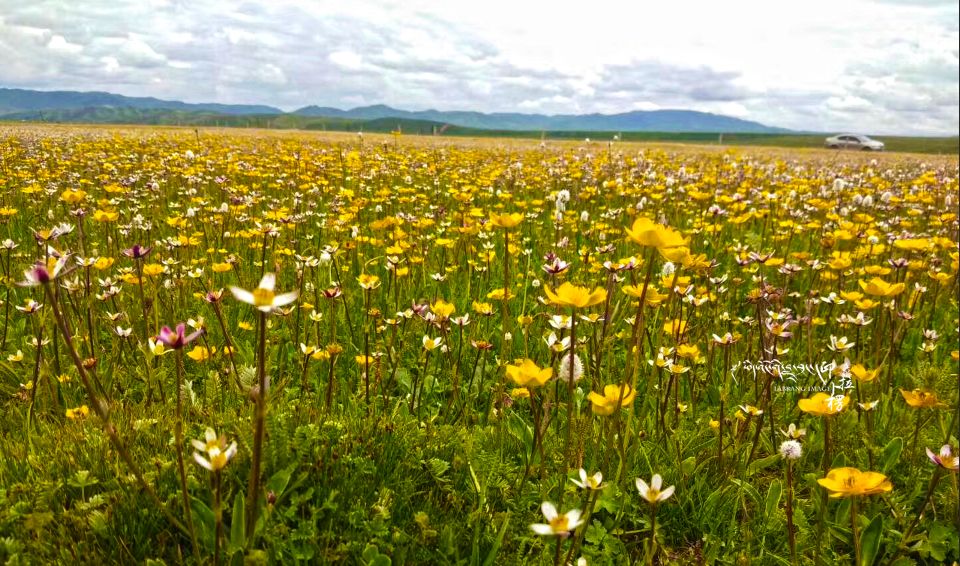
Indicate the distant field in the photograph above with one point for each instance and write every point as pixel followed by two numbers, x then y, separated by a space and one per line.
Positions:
pixel 132 116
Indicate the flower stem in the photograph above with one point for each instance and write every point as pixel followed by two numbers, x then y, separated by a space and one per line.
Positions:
pixel 104 414
pixel 259 424
pixel 181 469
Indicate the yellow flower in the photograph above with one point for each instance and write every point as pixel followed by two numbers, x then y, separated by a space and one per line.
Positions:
pixel 678 254
pixel 519 393
pixel 912 244
pixel 610 401
pixel 368 282
pixel 153 269
pixel 689 351
pixel 506 220
pixel 78 413
pixel 442 309
pixel 861 373
pixel 221 267
pixel 244 325
pixel 482 308
pixel 103 263
pixel 847 482
pixel 648 233
pixel 105 215
pixel 71 196
pixel 501 294
pixel 919 399
pixel 528 374
pixel 569 295
pixel 200 353
pixel 823 405
pixel 880 288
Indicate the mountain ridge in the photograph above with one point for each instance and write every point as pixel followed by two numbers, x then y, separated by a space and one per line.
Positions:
pixel 31 105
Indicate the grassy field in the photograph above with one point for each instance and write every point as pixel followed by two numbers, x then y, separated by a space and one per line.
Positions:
pixel 120 116
pixel 257 346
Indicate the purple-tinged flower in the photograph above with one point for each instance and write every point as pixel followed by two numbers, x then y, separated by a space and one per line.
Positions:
pixel 45 272
pixel 945 459
pixel 137 251
pixel 176 339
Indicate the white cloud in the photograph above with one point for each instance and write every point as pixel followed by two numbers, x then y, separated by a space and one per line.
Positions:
pixel 879 66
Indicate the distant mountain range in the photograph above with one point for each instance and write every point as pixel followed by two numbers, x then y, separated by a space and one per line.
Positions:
pixel 636 121
pixel 104 107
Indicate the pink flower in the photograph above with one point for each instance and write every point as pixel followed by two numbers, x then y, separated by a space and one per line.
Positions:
pixel 176 339
pixel 945 459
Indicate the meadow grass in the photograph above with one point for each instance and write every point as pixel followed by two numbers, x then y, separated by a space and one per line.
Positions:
pixel 453 330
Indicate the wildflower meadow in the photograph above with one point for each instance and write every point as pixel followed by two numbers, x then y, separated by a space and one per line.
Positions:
pixel 258 347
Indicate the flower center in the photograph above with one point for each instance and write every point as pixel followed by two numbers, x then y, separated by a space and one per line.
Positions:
pixel 559 524
pixel 262 297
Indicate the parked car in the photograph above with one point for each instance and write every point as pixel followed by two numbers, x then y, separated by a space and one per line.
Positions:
pixel 853 141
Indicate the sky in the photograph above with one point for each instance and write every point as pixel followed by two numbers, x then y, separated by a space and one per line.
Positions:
pixel 877 66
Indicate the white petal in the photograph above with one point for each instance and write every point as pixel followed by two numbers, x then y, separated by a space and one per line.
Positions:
pixel 284 299
pixel 268 282
pixel 541 529
pixel 583 475
pixel 656 482
pixel 199 445
pixel 666 493
pixel 242 295
pixel 549 511
pixel 573 519
pixel 202 461
pixel 643 488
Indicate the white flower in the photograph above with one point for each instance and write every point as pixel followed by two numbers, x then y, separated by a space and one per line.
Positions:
pixel 430 344
pixel 563 372
pixel 263 297
pixel 214 454
pixel 652 493
pixel 589 482
pixel 561 525
pixel 668 269
pixel 790 449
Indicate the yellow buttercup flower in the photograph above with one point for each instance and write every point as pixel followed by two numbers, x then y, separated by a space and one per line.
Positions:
pixel 200 353
pixel 613 397
pixel 880 288
pixel 861 373
pixel 823 405
pixel 648 233
pixel 569 295
pixel 919 399
pixel 528 374
pixel 368 282
pixel 851 482
pixel 442 309
pixel 506 220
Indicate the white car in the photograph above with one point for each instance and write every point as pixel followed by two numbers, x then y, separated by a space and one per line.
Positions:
pixel 853 141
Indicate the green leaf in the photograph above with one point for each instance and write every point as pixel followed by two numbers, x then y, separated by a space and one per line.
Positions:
pixel 891 453
pixel 773 499
pixel 687 466
pixel 492 555
pixel 870 542
pixel 204 521
pixel 762 463
pixel 749 489
pixel 238 521
pixel 278 481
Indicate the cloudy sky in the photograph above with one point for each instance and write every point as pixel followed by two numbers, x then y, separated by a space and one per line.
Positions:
pixel 881 66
